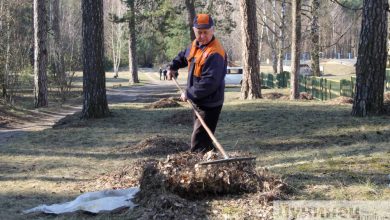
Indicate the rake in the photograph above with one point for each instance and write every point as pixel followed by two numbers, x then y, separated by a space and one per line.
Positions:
pixel 226 158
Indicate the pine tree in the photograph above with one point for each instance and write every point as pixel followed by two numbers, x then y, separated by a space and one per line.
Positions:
pixel 371 61
pixel 250 88
pixel 40 54
pixel 295 48
pixel 94 79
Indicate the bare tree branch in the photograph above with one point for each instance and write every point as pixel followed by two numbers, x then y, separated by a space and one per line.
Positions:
pixel 344 6
pixel 341 36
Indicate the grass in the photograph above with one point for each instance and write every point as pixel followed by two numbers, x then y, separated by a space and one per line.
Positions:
pixel 318 148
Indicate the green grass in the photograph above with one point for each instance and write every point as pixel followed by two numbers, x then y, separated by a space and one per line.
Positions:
pixel 318 148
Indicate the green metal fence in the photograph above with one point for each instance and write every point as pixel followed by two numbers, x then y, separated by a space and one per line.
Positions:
pixel 322 88
pixel 319 87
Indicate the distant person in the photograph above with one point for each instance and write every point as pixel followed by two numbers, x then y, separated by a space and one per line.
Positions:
pixel 165 74
pixel 207 63
pixel 160 70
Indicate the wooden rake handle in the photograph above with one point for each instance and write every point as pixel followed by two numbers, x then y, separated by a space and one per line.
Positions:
pixel 217 144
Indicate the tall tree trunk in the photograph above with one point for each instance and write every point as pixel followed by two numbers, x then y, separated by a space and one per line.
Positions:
pixel 5 83
pixel 295 48
pixel 190 5
pixel 58 57
pixel 263 27
pixel 94 79
pixel 116 45
pixel 132 47
pixel 7 55
pixel 251 87
pixel 2 80
pixel 40 54
pixel 388 40
pixel 274 40
pixel 6 32
pixel 1 14
pixel 271 39
pixel 371 61
pixel 116 34
pixel 282 36
pixel 314 36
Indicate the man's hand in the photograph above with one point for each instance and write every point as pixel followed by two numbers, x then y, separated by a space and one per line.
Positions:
pixel 183 97
pixel 171 74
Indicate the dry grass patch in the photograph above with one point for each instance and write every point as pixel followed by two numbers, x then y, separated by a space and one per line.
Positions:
pixel 184 117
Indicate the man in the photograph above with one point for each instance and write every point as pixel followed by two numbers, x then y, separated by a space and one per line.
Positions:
pixel 165 74
pixel 207 62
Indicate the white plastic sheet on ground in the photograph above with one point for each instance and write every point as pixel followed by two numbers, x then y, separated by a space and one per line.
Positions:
pixel 93 202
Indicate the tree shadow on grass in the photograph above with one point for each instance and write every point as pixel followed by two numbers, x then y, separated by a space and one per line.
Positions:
pixel 255 123
pixel 297 128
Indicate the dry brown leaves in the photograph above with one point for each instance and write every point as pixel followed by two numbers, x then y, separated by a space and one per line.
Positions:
pixel 123 177
pixel 305 96
pixel 341 100
pixel 181 174
pixel 275 95
pixel 166 205
pixel 157 146
pixel 165 103
pixel 387 97
pixel 178 187
pixel 386 104
pixel 155 202
pixel 5 121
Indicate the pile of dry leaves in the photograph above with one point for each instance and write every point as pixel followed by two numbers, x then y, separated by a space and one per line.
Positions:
pixel 157 146
pixel 5 121
pixel 178 186
pixel 275 95
pixel 387 97
pixel 124 177
pixel 305 96
pixel 341 100
pixel 181 174
pixel 165 103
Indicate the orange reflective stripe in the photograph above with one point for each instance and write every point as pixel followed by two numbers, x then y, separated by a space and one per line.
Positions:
pixel 201 56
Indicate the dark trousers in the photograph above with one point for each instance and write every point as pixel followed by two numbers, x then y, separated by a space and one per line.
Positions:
pixel 200 140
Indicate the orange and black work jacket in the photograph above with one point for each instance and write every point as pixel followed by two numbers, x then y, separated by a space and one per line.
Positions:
pixel 206 72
